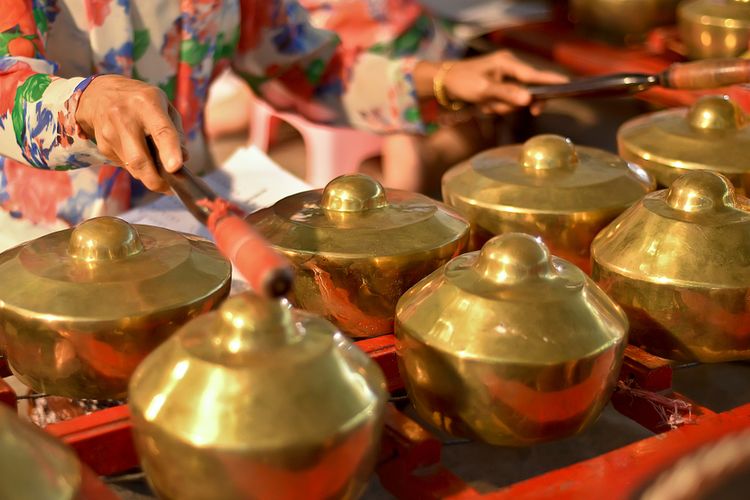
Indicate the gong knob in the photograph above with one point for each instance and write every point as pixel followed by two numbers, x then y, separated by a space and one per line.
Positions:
pixel 700 191
pixel 513 258
pixel 549 152
pixel 715 112
pixel 353 193
pixel 104 238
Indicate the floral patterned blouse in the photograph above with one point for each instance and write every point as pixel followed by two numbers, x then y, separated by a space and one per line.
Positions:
pixel 49 50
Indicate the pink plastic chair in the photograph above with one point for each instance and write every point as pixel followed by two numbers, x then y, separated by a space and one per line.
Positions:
pixel 331 151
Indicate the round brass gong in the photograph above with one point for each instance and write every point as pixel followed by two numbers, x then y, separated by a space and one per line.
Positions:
pixel 33 464
pixel 678 262
pixel 546 187
pixel 256 400
pixel 714 28
pixel 80 308
pixel 509 345
pixel 712 134
pixel 358 247
pixel 619 21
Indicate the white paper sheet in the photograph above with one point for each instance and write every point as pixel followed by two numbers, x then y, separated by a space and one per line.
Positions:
pixel 16 231
pixel 249 179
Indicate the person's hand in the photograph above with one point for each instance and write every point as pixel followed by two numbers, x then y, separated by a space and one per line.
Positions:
pixel 495 83
pixel 119 113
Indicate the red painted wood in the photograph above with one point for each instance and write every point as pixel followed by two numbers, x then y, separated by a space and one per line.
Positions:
pixel 615 475
pixel 7 394
pixel 413 445
pixel 645 370
pixel 4 368
pixel 660 414
pixel 383 350
pixel 410 459
pixel 410 462
pixel 434 483
pixel 103 440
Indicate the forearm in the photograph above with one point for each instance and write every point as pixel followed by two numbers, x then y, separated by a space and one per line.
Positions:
pixel 37 118
pixel 424 77
pixel 37 110
pixel 326 82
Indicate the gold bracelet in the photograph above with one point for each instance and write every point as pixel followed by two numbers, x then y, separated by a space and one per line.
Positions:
pixel 438 88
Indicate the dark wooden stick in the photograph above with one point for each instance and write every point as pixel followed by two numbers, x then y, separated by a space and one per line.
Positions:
pixel 268 272
pixel 698 75
pixel 617 84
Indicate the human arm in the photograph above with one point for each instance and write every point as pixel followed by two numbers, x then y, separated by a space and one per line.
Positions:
pixel 293 65
pixel 37 109
pixel 494 83
pixel 55 123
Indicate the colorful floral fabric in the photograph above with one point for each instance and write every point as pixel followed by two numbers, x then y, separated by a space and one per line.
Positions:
pixel 389 28
pixel 396 28
pixel 49 50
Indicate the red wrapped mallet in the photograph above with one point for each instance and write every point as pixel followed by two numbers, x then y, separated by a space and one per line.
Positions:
pixel 268 272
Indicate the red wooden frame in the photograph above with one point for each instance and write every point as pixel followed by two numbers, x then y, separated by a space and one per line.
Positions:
pixel 103 439
pixel 410 465
pixel 644 395
pixel 7 394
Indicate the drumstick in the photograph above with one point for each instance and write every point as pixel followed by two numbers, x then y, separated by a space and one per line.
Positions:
pixel 268 272
pixel 708 74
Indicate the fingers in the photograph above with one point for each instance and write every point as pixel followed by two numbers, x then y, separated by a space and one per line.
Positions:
pixel 496 108
pixel 500 97
pixel 528 74
pixel 512 66
pixel 136 159
pixel 537 108
pixel 166 135
pixel 550 77
pixel 174 115
pixel 120 113
pixel 507 93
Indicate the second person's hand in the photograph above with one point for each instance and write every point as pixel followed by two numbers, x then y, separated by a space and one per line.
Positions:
pixel 494 83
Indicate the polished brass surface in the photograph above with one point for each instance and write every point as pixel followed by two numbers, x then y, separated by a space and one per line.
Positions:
pixel 713 134
pixel 257 401
pixel 714 28
pixel 80 308
pixel 678 262
pixel 357 248
pixel 509 345
pixel 546 187
pixel 622 20
pixel 33 464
